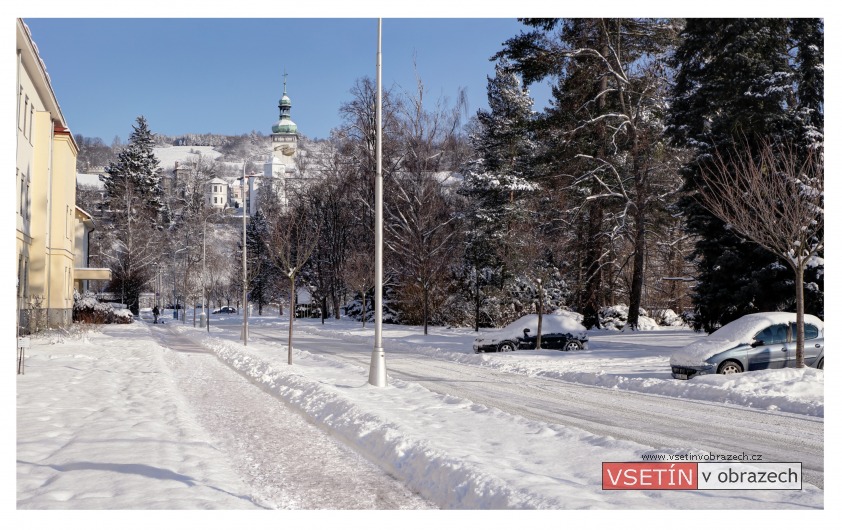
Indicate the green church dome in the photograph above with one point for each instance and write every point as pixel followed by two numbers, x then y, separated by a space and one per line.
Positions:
pixel 285 125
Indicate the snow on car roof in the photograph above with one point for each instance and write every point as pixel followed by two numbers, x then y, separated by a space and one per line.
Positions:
pixel 549 324
pixel 748 325
pixel 731 335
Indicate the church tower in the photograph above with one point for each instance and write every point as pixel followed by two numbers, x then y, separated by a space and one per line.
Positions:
pixel 285 132
pixel 281 162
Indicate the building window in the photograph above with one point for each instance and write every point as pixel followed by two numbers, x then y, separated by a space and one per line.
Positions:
pixel 31 119
pixel 24 196
pixel 25 282
pixel 25 114
pixel 20 275
pixel 20 109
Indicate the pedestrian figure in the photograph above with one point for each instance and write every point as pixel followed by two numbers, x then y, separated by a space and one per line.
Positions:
pixel 155 314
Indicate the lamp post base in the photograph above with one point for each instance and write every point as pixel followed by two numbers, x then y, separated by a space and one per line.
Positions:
pixel 377 374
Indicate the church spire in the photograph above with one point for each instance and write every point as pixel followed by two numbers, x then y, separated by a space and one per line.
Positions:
pixel 285 124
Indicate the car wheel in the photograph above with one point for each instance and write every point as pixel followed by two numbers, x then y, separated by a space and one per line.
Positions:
pixel 506 347
pixel 820 366
pixel 729 367
pixel 573 345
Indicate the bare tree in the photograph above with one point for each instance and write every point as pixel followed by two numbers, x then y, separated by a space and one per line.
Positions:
pixel 420 221
pixel 775 200
pixel 292 239
pixel 420 226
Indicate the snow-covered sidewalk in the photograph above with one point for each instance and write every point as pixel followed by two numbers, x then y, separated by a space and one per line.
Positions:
pixel 117 421
pixel 100 424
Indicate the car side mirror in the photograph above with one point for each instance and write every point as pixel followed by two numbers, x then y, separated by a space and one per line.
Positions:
pixel 757 343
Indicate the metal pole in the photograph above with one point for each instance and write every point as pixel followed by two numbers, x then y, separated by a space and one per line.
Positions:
pixel 377 373
pixel 245 331
pixel 202 318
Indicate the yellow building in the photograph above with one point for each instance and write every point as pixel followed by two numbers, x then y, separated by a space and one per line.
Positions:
pixel 48 257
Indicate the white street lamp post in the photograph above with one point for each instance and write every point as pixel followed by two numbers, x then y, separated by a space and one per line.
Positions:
pixel 377 372
pixel 245 331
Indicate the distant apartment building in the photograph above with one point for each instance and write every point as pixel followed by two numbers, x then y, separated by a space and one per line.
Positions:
pixel 51 231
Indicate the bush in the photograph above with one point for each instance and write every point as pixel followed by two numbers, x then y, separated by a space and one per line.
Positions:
pixel 668 317
pixel 87 309
pixel 122 316
pixel 616 317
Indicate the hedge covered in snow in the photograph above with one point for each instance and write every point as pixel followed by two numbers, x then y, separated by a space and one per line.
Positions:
pixel 86 308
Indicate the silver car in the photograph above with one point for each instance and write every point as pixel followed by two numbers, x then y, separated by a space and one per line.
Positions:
pixel 752 342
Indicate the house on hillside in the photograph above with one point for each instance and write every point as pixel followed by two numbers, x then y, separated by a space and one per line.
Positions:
pixel 48 221
pixel 216 194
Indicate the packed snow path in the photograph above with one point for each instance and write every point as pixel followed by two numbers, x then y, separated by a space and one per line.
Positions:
pixel 656 421
pixel 288 462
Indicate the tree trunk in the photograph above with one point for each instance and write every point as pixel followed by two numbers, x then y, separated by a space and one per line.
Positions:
pixel 593 255
pixel 426 296
pixel 593 272
pixel 637 271
pixel 476 301
pixel 799 310
pixel 365 310
pixel 291 316
pixel 540 315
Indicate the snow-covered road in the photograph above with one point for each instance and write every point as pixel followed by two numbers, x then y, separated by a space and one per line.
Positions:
pixel 658 421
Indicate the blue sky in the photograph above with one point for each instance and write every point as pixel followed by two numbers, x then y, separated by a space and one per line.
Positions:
pixel 225 75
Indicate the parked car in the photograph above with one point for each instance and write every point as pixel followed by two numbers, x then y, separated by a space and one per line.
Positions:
pixel 224 309
pixel 557 333
pixel 752 342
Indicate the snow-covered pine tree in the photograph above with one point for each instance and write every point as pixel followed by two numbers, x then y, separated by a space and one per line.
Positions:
pixel 495 182
pixel 740 83
pixel 133 182
pixel 600 139
pixel 133 195
pixel 262 273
